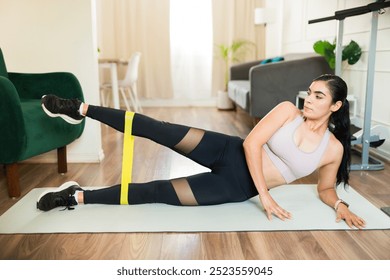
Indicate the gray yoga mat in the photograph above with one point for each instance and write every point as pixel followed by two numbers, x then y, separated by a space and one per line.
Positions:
pixel 309 213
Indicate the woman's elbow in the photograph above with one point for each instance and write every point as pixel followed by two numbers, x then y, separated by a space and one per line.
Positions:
pixel 250 146
pixel 247 145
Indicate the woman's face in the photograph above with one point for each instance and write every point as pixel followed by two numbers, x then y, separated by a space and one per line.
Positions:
pixel 318 102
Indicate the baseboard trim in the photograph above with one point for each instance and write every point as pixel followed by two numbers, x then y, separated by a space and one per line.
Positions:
pixel 51 157
pixel 209 102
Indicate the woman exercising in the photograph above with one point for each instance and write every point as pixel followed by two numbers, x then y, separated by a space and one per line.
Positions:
pixel 285 145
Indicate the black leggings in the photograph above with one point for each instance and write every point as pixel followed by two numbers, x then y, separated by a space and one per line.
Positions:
pixel 228 181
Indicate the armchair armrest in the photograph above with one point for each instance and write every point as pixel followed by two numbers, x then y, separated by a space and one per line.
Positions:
pixel 33 86
pixel 273 83
pixel 241 71
pixel 13 138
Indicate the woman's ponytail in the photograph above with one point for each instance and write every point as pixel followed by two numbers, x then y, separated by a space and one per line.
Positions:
pixel 340 126
pixel 340 122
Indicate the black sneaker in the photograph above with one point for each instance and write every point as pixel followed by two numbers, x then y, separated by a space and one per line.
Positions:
pixel 67 109
pixel 64 196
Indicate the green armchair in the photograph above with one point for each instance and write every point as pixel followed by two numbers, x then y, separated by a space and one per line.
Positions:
pixel 26 131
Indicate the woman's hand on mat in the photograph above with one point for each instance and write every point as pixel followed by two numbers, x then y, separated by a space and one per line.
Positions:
pixel 272 208
pixel 350 218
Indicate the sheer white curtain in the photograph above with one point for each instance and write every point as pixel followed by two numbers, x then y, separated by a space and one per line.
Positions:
pixel 127 26
pixel 185 30
pixel 191 49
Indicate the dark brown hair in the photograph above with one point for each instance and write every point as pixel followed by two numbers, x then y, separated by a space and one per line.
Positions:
pixel 339 122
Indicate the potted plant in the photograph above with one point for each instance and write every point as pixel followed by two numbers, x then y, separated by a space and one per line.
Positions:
pixel 351 52
pixel 229 54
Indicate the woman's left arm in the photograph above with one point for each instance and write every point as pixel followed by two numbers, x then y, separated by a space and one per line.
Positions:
pixel 327 193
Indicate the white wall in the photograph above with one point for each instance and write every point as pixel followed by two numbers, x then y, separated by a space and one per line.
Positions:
pixel 274 28
pixel 55 35
pixel 299 36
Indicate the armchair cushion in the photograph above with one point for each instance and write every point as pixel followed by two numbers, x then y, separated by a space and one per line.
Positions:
pixel 52 133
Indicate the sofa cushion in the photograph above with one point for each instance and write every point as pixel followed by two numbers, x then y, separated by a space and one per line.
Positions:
pixel 238 91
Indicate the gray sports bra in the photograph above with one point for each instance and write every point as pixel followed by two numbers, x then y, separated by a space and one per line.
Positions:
pixel 292 162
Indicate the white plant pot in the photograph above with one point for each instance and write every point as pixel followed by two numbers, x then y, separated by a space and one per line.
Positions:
pixel 223 101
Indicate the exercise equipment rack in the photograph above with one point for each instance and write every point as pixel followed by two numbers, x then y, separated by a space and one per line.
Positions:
pixel 366 139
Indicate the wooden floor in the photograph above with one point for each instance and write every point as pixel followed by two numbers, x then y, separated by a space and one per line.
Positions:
pixel 155 162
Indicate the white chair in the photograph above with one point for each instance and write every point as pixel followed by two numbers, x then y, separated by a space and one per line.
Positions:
pixel 128 86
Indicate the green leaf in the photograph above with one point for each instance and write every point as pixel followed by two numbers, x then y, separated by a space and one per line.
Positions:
pixel 352 53
pixel 322 47
pixel 326 49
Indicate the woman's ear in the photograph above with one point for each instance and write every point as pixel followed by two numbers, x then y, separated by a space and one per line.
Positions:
pixel 336 106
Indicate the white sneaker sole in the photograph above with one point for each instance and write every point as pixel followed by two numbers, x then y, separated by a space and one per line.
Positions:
pixel 60 188
pixel 64 117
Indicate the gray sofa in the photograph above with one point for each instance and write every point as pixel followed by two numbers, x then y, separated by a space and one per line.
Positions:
pixel 257 88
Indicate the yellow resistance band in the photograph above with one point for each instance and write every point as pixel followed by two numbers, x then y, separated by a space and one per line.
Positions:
pixel 127 157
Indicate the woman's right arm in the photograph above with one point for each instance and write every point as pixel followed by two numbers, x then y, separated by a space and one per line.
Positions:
pixel 253 144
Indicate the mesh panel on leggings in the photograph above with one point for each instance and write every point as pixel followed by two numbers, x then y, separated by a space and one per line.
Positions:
pixel 190 140
pixel 184 192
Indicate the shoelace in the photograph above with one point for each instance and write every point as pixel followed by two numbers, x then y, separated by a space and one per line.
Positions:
pixel 68 204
